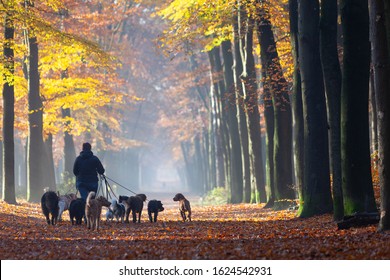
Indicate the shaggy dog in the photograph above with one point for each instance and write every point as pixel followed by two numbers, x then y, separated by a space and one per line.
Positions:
pixel 142 196
pixel 64 203
pixel 154 206
pixel 118 210
pixel 133 204
pixel 93 209
pixel 77 210
pixel 184 206
pixel 49 203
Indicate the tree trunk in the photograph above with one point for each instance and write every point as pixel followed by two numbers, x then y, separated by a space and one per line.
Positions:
pixel 8 161
pixel 35 150
pixel 278 87
pixel 69 148
pixel 316 183
pixel 332 79
pixel 249 85
pixel 380 61
pixel 373 115
pixel 50 178
pixel 357 183
pixel 236 185
pixel 296 102
pixel 269 141
pixel 219 129
pixel 241 116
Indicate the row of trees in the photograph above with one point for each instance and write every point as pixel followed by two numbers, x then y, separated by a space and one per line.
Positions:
pixel 66 79
pixel 314 113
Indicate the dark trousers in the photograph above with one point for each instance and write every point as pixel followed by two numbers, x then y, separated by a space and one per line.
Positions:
pixel 85 188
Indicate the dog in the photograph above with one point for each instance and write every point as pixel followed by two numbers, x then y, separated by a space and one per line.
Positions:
pixel 118 210
pixel 49 204
pixel 184 206
pixel 154 206
pixel 142 196
pixel 77 211
pixel 133 204
pixel 93 210
pixel 109 215
pixel 64 203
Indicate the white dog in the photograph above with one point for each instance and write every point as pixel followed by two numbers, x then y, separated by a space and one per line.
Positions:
pixel 64 203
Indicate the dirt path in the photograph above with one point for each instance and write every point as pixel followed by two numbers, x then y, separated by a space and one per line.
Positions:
pixel 244 231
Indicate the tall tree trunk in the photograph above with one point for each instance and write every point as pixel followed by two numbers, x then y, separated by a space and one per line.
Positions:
pixel 332 79
pixel 357 183
pixel 8 166
pixel 35 150
pixel 316 183
pixel 296 102
pixel 69 148
pixel 236 185
pixel 224 135
pixel 241 116
pixel 380 61
pixel 211 141
pixel 249 85
pixel 373 115
pixel 216 108
pixel 50 178
pixel 269 141
pixel 277 84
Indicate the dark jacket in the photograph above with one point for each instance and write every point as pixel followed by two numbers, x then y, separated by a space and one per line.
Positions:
pixel 86 167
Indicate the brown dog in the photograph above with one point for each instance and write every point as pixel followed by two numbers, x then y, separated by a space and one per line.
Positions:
pixel 93 210
pixel 184 206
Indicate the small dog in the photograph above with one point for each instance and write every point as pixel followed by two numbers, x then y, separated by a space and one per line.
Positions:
pixel 184 206
pixel 64 203
pixel 49 204
pixel 77 211
pixel 118 210
pixel 109 215
pixel 93 210
pixel 154 206
pixel 133 204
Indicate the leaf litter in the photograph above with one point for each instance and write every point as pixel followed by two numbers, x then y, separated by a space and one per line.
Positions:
pixel 242 231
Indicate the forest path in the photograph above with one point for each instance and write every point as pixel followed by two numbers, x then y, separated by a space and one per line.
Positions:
pixel 243 231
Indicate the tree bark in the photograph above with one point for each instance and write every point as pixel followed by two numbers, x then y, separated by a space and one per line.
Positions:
pixel 278 87
pixel 373 115
pixel 35 150
pixel 332 80
pixel 236 183
pixel 380 61
pixel 249 85
pixel 357 183
pixel 296 102
pixel 241 116
pixel 316 186
pixel 8 166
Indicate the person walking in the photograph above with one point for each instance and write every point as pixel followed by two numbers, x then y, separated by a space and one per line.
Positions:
pixel 86 168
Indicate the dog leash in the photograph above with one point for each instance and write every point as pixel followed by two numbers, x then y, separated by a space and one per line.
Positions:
pixel 106 177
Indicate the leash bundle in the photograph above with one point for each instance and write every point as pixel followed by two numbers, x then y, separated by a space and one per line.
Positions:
pixel 108 189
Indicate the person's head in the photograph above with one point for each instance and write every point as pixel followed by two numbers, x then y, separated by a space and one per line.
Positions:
pixel 86 146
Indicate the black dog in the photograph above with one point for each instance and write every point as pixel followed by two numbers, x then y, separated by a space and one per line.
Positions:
pixel 133 204
pixel 77 211
pixel 154 206
pixel 49 203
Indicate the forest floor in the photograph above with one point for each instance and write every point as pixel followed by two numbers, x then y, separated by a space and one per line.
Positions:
pixel 244 231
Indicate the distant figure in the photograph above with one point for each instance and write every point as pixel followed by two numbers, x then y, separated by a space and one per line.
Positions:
pixel 86 169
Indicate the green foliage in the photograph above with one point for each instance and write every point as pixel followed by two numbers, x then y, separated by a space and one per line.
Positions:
pixel 216 196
